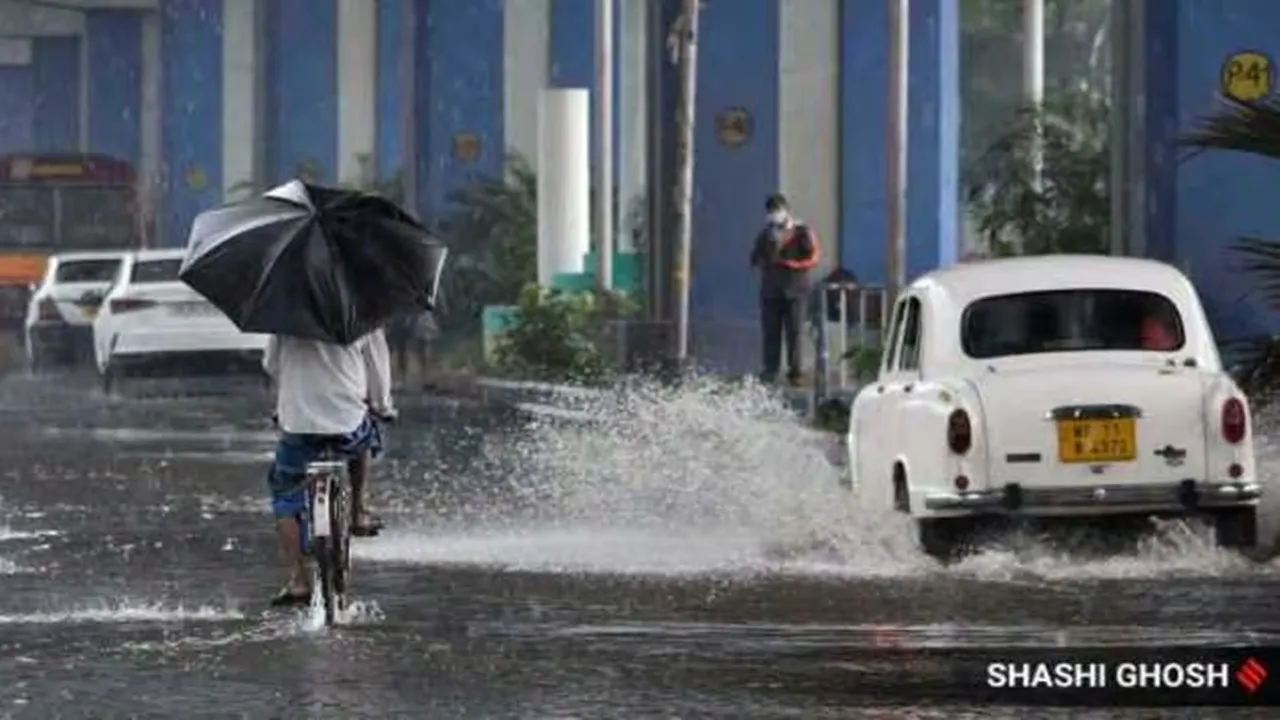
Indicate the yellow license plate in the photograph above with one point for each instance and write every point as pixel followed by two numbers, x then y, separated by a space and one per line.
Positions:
pixel 1095 441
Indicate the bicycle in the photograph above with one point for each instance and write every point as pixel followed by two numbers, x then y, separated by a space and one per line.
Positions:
pixel 328 529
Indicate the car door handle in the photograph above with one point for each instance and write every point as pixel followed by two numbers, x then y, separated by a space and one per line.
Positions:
pixel 907 388
pixel 880 389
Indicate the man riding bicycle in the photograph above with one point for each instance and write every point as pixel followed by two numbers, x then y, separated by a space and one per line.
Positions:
pixel 327 395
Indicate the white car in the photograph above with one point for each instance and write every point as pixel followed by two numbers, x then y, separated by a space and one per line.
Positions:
pixel 152 321
pixel 1086 386
pixel 59 323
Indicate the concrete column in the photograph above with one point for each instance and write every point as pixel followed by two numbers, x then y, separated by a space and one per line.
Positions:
pixel 933 136
pixel 808 95
pixel 395 88
pixel 564 183
pixel 302 89
pixel 191 113
pixel 357 22
pixel 632 102
pixel 241 112
pixel 150 168
pixel 113 42
pixel 458 86
pixel 17 95
pixel 55 67
pixel 525 72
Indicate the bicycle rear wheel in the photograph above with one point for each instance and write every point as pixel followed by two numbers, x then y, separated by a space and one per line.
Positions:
pixel 332 545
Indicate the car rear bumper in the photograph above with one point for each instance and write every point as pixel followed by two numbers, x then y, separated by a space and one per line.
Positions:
pixel 192 341
pixel 179 363
pixel 1188 495
pixel 59 336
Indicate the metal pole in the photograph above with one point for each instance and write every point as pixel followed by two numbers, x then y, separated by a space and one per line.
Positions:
pixel 1033 74
pixel 686 45
pixel 896 236
pixel 604 133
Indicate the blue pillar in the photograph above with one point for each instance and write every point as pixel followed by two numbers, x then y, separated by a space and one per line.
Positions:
pixel 1160 129
pixel 933 136
pixel 458 87
pixel 191 112
pixel 114 40
pixel 395 92
pixel 302 88
pixel 573 59
pixel 17 91
pixel 55 65
pixel 737 72
pixel 864 85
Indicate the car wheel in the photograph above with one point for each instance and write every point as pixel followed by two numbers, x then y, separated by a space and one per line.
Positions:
pixel 1236 528
pixel 945 539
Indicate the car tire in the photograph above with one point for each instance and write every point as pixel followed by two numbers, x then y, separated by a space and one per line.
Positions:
pixel 945 539
pixel 1236 528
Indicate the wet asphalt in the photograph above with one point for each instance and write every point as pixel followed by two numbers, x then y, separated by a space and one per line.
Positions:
pixel 685 561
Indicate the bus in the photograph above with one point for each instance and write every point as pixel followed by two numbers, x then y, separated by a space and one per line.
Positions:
pixel 61 202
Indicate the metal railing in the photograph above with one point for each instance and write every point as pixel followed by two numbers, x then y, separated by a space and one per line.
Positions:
pixel 858 312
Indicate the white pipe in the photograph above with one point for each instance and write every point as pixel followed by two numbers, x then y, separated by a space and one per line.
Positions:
pixel 899 77
pixel 1033 73
pixel 564 181
pixel 632 115
pixel 604 114
pixel 357 85
pixel 240 114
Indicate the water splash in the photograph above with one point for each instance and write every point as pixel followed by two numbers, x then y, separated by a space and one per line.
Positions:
pixel 716 479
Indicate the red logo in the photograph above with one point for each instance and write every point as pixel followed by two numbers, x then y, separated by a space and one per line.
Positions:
pixel 1251 675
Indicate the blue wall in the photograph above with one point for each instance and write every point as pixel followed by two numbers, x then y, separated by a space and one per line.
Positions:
pixel 737 68
pixel 459 56
pixel 1219 196
pixel 864 82
pixel 191 45
pixel 114 40
pixel 55 64
pixel 17 89
pixel 302 88
pixel 395 94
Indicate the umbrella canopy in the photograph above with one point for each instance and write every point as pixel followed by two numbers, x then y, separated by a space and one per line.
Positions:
pixel 312 261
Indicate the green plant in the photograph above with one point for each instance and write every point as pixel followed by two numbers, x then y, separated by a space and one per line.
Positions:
pixel 1066 207
pixel 1251 127
pixel 864 360
pixel 559 336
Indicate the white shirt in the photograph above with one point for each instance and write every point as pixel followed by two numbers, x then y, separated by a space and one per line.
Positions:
pixel 321 387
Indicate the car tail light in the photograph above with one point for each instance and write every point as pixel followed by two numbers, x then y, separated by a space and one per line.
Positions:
pixel 1235 422
pixel 959 432
pixel 124 305
pixel 48 310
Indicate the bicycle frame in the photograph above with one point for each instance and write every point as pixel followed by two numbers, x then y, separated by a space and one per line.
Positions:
pixel 327 537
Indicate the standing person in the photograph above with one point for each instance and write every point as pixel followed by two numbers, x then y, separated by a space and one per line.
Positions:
pixel 784 252
pixel 411 338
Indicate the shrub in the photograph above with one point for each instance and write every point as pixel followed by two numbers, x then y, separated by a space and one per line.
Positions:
pixel 560 336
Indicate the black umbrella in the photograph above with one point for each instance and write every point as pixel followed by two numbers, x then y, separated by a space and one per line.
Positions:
pixel 312 261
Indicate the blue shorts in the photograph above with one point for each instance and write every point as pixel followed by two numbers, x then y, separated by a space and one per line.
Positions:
pixel 288 474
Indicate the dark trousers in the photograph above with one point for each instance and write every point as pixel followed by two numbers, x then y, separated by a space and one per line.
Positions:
pixel 780 321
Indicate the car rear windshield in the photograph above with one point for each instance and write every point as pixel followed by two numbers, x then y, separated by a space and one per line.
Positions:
pixel 1070 321
pixel 154 271
pixel 70 271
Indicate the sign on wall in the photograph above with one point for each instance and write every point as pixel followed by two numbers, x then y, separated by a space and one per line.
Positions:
pixel 1247 76
pixel 466 147
pixel 733 126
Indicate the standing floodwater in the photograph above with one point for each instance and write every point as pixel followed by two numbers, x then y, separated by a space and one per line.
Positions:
pixel 691 554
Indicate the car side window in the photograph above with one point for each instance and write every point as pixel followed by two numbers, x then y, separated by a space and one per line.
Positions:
pixel 891 340
pixel 909 353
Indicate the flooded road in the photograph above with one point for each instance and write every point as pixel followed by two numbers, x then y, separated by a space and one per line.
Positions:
pixel 692 556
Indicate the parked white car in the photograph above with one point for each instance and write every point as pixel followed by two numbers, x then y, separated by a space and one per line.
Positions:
pixel 1084 386
pixel 151 321
pixel 60 314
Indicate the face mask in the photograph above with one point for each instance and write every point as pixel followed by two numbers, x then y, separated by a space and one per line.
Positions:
pixel 778 217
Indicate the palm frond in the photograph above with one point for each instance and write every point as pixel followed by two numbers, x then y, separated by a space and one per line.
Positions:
pixel 1240 125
